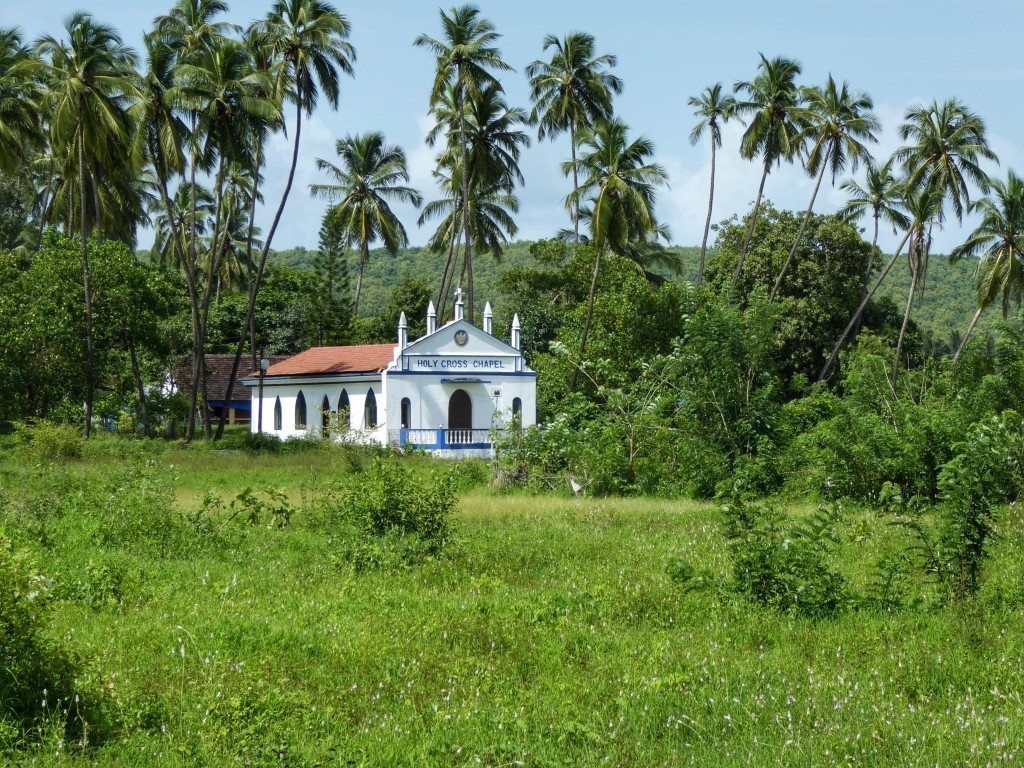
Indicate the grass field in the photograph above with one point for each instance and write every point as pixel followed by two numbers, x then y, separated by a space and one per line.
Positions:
pixel 547 633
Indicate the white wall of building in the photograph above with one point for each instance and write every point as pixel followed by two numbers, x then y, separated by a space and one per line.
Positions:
pixel 314 391
pixel 427 372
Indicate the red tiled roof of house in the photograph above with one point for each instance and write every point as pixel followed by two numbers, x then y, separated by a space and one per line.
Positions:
pixel 363 358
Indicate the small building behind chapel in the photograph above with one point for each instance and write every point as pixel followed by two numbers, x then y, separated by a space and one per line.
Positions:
pixel 445 392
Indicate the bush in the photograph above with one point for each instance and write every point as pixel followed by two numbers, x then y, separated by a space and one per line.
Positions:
pixel 35 674
pixel 45 441
pixel 784 565
pixel 387 499
pixel 987 470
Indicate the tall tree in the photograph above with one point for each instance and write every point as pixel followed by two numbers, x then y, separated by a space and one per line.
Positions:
pixel 775 131
pixel 573 89
pixel 838 122
pixel 220 88
pixel 883 195
pixel 712 109
pixel 89 84
pixel 305 44
pixel 946 143
pixel 925 209
pixel 465 54
pixel 372 174
pixel 999 240
pixel 619 181
pixel 494 143
pixel 20 124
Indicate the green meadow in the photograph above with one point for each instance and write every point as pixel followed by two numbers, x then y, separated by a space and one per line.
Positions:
pixel 548 631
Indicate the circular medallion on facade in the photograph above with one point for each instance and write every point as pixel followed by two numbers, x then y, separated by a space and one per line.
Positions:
pixel 461 337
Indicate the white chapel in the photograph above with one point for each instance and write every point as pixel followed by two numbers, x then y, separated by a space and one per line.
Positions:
pixel 445 392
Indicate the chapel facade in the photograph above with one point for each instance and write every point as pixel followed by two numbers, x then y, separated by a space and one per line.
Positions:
pixel 445 392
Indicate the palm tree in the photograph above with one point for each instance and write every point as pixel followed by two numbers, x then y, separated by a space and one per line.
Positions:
pixel 464 55
pixel 88 88
pixel 302 45
pixel 946 141
pixel 371 175
pixel 619 183
pixel 882 196
pixel 713 109
pixel 189 26
pixel 493 146
pixel 20 125
pixel 837 124
pixel 925 209
pixel 571 90
pixel 490 216
pixel 999 238
pixel 775 131
pixel 219 87
pixel 885 196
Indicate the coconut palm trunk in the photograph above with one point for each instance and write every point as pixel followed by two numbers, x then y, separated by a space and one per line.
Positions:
pixel 915 277
pixel 967 335
pixel 855 320
pixel 750 229
pixel 871 263
pixel 575 188
pixel 799 236
pixel 364 257
pixel 707 222
pixel 573 380
pixel 87 288
pixel 250 312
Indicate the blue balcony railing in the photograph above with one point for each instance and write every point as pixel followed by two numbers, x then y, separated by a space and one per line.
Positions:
pixel 440 439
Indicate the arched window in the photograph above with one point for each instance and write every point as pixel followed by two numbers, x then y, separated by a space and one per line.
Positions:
pixel 344 412
pixel 277 415
pixel 517 406
pixel 406 413
pixel 325 410
pixel 370 411
pixel 300 411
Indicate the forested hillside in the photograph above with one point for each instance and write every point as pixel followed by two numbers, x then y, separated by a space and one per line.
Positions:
pixel 949 296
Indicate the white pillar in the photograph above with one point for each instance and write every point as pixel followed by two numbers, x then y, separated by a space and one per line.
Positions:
pixel 403 332
pixel 516 331
pixel 431 318
pixel 488 318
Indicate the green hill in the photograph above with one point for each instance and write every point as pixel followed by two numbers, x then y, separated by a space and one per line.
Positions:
pixel 944 312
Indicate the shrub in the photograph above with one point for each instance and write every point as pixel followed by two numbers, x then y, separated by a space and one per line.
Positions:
pixel 986 470
pixel 35 673
pixel 387 499
pixel 784 565
pixel 45 441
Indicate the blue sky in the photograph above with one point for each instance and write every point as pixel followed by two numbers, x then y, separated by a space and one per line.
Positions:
pixel 900 52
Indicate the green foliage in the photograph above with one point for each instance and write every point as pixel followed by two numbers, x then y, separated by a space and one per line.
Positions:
pixel 36 674
pixel 385 500
pixel 45 441
pixel 987 470
pixel 823 285
pixel 784 564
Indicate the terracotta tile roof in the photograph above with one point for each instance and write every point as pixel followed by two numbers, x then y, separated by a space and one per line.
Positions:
pixel 218 371
pixel 364 358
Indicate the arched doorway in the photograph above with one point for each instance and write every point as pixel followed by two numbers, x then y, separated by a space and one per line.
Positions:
pixel 325 409
pixel 460 410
